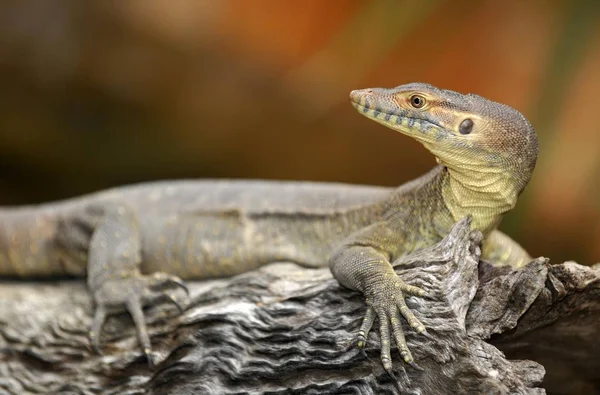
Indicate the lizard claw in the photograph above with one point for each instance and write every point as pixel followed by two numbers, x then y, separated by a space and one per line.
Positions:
pixel 415 366
pixel 150 358
pixel 162 281
pixel 93 338
pixel 173 300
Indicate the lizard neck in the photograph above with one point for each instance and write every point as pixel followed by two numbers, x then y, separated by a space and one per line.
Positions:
pixel 485 193
pixel 420 203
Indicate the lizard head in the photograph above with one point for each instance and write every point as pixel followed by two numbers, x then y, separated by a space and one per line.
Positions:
pixel 468 134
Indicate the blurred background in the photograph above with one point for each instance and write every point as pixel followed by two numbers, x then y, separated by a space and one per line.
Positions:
pixel 101 93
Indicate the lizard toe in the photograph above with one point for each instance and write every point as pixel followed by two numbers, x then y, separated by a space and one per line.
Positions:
pixel 162 281
pixel 94 334
pixel 365 328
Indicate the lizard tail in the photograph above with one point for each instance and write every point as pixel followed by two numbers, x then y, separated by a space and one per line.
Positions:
pixel 27 244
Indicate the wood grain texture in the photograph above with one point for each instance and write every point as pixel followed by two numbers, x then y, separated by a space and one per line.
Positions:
pixel 290 330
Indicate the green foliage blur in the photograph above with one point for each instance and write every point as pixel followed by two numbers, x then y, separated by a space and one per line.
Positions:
pixel 96 94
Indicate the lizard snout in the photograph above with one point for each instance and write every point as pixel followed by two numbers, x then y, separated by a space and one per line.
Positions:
pixel 362 97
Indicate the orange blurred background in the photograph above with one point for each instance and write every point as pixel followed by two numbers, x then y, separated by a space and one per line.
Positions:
pixel 101 93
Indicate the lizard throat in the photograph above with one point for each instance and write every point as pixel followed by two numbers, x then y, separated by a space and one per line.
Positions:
pixel 485 195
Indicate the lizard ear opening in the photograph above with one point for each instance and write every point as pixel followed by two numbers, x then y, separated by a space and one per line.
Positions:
pixel 466 126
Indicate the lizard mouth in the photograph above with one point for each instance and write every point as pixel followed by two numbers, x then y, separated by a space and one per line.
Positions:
pixel 417 128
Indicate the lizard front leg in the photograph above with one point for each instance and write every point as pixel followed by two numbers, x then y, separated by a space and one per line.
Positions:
pixel 114 277
pixel 367 268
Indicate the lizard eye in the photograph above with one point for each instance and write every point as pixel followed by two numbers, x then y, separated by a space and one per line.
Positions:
pixel 466 126
pixel 417 101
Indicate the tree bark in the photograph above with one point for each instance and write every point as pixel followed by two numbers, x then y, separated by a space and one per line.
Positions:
pixel 291 330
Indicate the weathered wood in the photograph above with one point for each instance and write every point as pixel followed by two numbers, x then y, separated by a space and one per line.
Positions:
pixel 290 330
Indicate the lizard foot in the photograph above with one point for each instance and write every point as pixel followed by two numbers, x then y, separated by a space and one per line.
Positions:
pixel 385 300
pixel 131 295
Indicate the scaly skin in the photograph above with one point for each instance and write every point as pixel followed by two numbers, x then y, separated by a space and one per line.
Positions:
pixel 203 229
pixel 487 152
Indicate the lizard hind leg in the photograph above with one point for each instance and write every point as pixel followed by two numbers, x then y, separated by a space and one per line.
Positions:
pixel 115 280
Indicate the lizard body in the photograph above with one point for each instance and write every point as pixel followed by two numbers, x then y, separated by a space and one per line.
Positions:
pixel 136 243
pixel 193 228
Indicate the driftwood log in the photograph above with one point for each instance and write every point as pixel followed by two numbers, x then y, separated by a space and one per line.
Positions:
pixel 290 330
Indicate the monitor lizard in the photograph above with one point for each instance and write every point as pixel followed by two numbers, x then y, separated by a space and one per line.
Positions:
pixel 137 243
